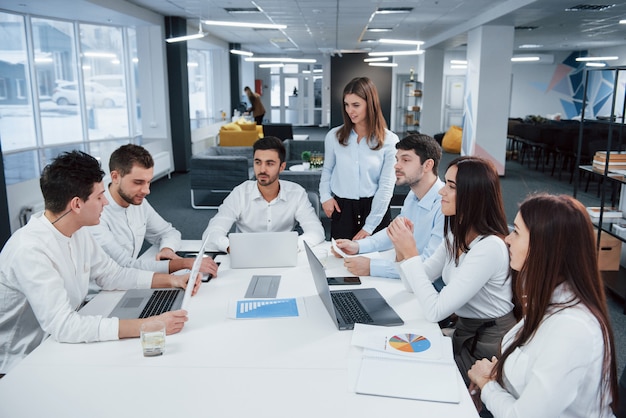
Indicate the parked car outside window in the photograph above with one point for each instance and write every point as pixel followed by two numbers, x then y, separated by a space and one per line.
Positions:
pixel 96 95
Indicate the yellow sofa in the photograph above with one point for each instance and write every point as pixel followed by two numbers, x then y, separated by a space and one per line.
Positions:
pixel 239 134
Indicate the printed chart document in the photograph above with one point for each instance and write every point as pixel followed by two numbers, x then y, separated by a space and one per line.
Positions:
pixel 266 308
pixel 406 363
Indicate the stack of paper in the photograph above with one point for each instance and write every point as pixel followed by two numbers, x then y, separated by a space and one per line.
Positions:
pixel 406 363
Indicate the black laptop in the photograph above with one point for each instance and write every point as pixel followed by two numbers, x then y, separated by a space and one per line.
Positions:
pixel 347 307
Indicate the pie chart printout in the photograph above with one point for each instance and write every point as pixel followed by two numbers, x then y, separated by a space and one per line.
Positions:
pixel 409 343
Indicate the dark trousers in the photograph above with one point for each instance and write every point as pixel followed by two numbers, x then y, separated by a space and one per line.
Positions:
pixel 259 119
pixel 348 222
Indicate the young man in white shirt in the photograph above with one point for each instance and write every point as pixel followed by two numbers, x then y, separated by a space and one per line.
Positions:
pixel 267 203
pixel 129 219
pixel 46 267
pixel 417 160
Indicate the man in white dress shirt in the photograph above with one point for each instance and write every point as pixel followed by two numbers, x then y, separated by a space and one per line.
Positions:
pixel 46 267
pixel 267 203
pixel 129 219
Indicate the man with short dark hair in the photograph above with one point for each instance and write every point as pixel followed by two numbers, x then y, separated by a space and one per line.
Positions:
pixel 267 203
pixel 46 267
pixel 129 219
pixel 417 160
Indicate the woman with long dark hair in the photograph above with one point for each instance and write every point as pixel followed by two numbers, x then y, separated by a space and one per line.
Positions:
pixel 359 156
pixel 473 262
pixel 558 361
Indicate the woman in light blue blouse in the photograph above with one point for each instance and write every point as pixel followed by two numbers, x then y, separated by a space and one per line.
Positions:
pixel 358 176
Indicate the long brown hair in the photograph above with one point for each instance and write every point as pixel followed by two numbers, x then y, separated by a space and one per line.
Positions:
pixel 479 205
pixel 366 90
pixel 561 248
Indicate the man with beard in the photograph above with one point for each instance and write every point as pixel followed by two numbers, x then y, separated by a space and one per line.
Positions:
pixel 417 159
pixel 129 219
pixel 266 204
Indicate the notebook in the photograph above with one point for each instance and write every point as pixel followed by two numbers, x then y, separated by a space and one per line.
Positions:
pixel 367 306
pixel 263 249
pixel 142 303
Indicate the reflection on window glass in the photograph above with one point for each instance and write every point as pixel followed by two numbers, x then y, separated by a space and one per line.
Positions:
pixel 134 79
pixel 16 113
pixel 55 65
pixel 201 108
pixel 20 166
pixel 102 61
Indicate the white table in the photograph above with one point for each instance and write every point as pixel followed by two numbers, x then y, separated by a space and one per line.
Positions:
pixel 219 367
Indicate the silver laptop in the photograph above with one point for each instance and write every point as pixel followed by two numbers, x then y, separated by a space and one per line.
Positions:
pixel 263 249
pixel 142 303
pixel 347 307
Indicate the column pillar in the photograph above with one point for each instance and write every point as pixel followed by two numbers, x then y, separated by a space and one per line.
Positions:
pixel 430 123
pixel 488 93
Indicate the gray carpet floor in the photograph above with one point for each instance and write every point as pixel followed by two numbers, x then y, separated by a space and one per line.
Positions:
pixel 171 198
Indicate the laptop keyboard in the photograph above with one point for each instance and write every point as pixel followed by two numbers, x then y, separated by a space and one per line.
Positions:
pixel 160 301
pixel 350 308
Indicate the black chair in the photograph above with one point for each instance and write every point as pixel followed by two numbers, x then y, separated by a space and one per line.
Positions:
pixel 281 131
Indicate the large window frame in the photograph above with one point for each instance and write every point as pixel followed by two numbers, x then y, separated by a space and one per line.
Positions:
pixel 24 160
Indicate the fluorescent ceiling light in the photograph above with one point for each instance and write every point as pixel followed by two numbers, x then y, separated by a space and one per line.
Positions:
pixel 622 22
pixel 530 46
pixel 584 59
pixel 525 59
pixel 318 70
pixel 383 64
pixel 198 35
pixel 378 59
pixel 289 60
pixel 458 66
pixel 244 24
pixel 595 64
pixel 390 53
pixel 400 41
pixel 379 29
pixel 274 65
pixel 458 62
pixel 239 52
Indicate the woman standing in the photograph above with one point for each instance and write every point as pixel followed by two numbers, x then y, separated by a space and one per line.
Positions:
pixel 256 105
pixel 558 361
pixel 473 262
pixel 358 176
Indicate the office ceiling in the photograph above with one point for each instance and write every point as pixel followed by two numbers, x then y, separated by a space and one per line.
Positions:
pixel 341 26
pixel 330 26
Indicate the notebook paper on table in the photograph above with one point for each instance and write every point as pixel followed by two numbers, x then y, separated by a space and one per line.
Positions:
pixel 407 365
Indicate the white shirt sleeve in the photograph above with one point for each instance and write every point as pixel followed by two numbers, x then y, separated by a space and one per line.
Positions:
pixel 552 372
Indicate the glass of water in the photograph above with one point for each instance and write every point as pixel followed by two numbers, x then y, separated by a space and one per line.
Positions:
pixel 152 335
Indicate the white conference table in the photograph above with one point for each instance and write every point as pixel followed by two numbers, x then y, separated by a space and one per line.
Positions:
pixel 217 366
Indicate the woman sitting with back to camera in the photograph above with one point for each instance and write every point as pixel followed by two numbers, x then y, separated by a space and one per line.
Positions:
pixel 558 361
pixel 473 262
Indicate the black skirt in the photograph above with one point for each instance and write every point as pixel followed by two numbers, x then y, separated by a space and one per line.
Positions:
pixel 348 222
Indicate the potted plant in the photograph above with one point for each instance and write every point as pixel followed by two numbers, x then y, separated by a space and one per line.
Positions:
pixel 306 159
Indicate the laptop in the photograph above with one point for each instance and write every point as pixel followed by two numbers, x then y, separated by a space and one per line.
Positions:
pixel 143 303
pixel 263 249
pixel 365 306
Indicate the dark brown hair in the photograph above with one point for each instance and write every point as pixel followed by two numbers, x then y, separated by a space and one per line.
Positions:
pixel 479 204
pixel 561 248
pixel 125 157
pixel 366 90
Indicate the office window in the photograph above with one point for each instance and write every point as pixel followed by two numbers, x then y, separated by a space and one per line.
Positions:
pixel 17 123
pixel 55 64
pixel 102 63
pixel 201 98
pixel 81 98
